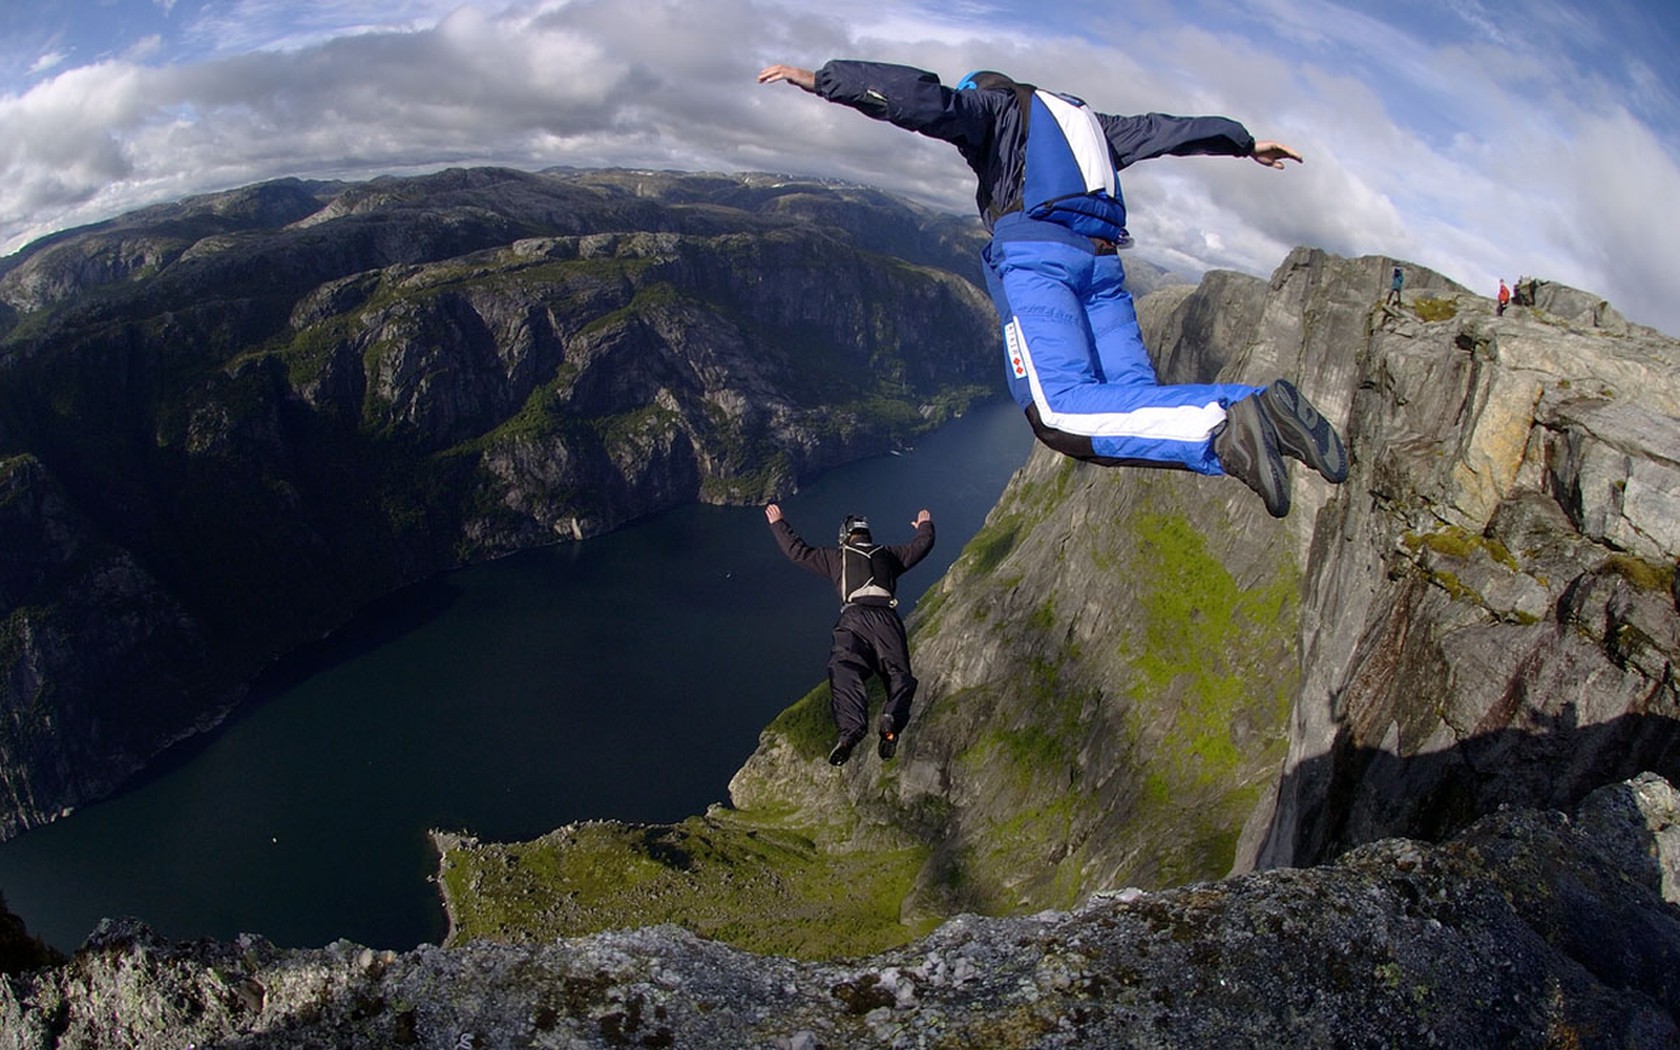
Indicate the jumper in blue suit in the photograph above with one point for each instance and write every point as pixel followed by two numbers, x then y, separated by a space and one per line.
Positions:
pixel 1049 192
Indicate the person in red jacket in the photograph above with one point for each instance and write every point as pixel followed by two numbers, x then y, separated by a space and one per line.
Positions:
pixel 869 636
pixel 1504 297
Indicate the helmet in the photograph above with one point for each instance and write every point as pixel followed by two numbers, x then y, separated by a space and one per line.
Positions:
pixel 984 79
pixel 853 523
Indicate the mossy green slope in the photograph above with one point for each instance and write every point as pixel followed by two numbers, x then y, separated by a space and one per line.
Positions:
pixel 1107 671
pixel 724 877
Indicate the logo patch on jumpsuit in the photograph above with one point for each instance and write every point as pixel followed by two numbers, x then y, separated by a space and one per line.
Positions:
pixel 1012 345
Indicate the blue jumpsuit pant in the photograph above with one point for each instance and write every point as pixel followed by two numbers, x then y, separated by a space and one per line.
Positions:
pixel 1075 354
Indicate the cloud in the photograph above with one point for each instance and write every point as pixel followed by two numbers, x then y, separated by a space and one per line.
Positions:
pixel 48 61
pixel 1469 150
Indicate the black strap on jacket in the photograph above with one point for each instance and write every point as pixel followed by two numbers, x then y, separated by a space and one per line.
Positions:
pixel 867 575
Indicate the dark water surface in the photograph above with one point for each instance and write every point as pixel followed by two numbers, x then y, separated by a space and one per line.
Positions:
pixel 624 677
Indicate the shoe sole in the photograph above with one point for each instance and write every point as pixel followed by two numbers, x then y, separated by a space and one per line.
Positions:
pixel 1303 432
pixel 1250 429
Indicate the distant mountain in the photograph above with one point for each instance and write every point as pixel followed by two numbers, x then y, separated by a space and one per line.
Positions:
pixel 227 423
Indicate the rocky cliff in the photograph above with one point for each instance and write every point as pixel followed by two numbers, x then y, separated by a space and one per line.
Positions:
pixel 226 424
pixel 1367 720
pixel 1137 678
pixel 1528 929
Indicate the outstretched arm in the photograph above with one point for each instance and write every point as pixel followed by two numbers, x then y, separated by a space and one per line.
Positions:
pixel 910 98
pixel 1149 135
pixel 819 560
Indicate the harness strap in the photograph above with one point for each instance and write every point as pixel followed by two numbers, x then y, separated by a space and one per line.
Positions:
pixel 869 588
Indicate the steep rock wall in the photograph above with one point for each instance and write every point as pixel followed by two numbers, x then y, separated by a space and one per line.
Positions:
pixel 1137 678
pixel 1491 616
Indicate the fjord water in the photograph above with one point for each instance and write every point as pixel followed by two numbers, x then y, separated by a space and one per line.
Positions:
pixel 624 677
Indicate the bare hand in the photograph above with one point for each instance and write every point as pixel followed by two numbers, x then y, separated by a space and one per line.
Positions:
pixel 799 78
pixel 1273 154
pixel 921 517
pixel 772 513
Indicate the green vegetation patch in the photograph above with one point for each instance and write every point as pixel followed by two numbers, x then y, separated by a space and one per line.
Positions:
pixel 1459 543
pixel 1432 309
pixel 758 888
pixel 1643 575
pixel 1213 676
pixel 991 545
pixel 807 724
pixel 1024 810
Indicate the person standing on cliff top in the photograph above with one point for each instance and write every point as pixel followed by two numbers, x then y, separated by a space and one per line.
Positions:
pixel 869 636
pixel 1049 192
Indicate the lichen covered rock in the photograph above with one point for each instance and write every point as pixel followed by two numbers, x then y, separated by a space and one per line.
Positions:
pixel 1530 929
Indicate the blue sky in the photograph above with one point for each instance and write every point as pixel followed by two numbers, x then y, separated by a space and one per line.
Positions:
pixel 1483 140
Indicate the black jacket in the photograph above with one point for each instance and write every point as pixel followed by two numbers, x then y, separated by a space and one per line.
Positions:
pixel 987 127
pixel 827 561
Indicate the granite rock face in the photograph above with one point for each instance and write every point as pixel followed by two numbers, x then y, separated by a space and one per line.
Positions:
pixel 1490 616
pixel 1139 678
pixel 1136 677
pixel 1530 928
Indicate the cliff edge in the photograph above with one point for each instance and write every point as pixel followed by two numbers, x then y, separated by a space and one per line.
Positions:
pixel 1528 929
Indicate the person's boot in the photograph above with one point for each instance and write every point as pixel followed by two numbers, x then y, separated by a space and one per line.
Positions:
pixel 1302 432
pixel 888 746
pixel 842 750
pixel 1247 447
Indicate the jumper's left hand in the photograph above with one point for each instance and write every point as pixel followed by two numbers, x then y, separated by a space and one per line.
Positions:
pixel 800 78
pixel 1273 154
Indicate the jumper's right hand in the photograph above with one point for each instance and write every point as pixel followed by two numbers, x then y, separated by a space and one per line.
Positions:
pixel 799 78
pixel 1273 154
pixel 772 513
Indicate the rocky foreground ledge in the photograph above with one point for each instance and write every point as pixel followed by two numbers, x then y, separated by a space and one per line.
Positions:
pixel 1530 929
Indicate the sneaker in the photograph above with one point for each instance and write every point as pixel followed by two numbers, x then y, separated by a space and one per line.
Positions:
pixel 842 750
pixel 1247 447
pixel 888 747
pixel 1302 432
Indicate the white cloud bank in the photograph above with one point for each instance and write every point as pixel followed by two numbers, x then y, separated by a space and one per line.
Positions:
pixel 1471 157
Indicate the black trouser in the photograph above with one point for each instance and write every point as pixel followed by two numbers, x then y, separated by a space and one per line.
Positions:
pixel 869 639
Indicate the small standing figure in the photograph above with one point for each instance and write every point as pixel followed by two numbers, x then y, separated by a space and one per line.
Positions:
pixel 1395 283
pixel 1504 297
pixel 869 636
